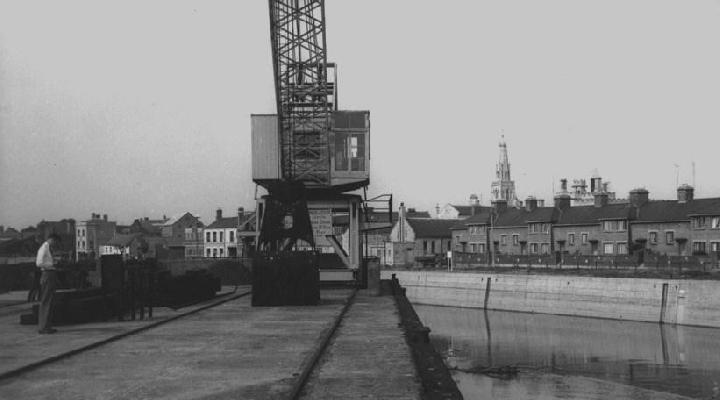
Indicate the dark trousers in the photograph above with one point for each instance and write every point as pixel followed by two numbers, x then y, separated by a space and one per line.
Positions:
pixel 34 293
pixel 48 284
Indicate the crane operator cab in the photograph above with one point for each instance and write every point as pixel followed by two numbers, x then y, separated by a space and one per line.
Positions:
pixel 349 149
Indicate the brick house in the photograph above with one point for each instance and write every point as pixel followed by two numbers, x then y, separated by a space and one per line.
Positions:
pixel 91 234
pixel 230 236
pixel 183 235
pixel 418 239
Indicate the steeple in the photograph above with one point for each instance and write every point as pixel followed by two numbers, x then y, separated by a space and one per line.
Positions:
pixel 503 166
pixel 503 188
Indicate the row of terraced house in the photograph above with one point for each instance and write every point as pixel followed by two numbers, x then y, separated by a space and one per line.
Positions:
pixel 637 229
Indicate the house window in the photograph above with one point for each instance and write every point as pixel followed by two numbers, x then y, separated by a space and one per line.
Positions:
pixel 473 248
pixel 533 248
pixel 584 238
pixel 545 248
pixel 214 237
pixel 481 248
pixel 221 252
pixel 432 247
pixel 715 223
pixel 571 239
pixel 424 246
pixel 669 237
pixel 699 248
pixel 516 240
pixel 715 247
pixel 622 248
pixel 608 248
pixel 232 237
pixel 221 236
pixel 503 240
pixel 214 252
pixel 207 236
pixel 652 237
pixel 622 225
pixel 700 222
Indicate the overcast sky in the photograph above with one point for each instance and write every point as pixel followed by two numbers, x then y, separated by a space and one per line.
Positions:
pixel 142 108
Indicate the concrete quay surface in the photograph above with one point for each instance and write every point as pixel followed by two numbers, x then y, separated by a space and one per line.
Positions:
pixel 231 350
pixel 367 358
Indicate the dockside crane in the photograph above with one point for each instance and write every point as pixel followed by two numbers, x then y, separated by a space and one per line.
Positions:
pixel 308 156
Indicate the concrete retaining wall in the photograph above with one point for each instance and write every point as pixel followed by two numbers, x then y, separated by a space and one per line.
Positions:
pixel 687 302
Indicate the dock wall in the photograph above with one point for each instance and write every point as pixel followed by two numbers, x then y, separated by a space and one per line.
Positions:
pixel 686 302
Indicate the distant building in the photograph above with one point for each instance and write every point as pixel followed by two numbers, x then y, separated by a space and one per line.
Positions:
pixel 147 226
pixel 458 211
pixel 91 234
pixel 418 239
pixel 230 236
pixel 503 188
pixel 582 195
pixel 174 231
pixel 129 246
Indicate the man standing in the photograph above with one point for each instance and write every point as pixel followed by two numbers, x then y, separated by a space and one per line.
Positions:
pixel 48 283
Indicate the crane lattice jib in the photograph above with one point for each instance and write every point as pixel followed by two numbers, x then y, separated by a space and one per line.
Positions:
pixel 297 31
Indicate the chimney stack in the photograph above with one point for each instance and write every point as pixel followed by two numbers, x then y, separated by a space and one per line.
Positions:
pixel 563 185
pixel 437 210
pixel 218 214
pixel 685 193
pixel 474 203
pixel 562 201
pixel 499 205
pixel 531 203
pixel 601 199
pixel 541 202
pixel 105 217
pixel 241 212
pixel 638 197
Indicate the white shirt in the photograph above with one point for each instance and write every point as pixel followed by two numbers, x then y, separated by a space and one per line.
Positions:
pixel 44 258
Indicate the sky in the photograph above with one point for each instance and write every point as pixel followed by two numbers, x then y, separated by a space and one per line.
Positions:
pixel 142 108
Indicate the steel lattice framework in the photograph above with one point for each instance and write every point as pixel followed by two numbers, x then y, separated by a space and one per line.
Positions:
pixel 297 31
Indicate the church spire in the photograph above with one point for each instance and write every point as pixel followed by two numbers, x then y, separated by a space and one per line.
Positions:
pixel 503 188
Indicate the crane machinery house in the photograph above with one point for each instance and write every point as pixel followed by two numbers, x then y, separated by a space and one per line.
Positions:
pixel 349 141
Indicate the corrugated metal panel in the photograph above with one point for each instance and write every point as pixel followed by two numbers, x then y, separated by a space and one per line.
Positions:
pixel 265 147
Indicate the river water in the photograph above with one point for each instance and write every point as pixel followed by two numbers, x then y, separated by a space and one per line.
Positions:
pixel 559 357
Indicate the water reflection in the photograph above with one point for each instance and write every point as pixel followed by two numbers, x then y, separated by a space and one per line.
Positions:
pixel 636 358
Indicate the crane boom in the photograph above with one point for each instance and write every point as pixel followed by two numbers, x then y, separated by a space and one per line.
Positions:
pixel 303 95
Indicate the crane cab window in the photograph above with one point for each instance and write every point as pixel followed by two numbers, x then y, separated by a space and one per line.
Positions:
pixel 349 151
